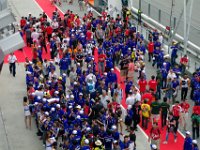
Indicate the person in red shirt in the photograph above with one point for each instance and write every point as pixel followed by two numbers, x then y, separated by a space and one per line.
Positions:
pixel 152 84
pixel 184 113
pixel 150 50
pixel 148 96
pixel 101 62
pixel 196 109
pixel 89 35
pixel 154 135
pixel 49 31
pixel 176 111
pixel 22 22
pixel 184 64
pixel 142 84
pixel 113 105
pixel 78 21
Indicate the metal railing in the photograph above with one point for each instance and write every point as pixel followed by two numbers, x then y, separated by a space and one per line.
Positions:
pixel 163 17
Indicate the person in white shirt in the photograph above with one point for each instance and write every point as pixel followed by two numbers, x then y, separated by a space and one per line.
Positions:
pixel 54 25
pixel 12 59
pixel 160 37
pixel 130 100
pixel 171 75
pixel 35 35
pixel 104 98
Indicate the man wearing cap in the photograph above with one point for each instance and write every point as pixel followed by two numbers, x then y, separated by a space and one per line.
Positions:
pixel 194 145
pixel 112 78
pixel 153 147
pixel 86 145
pixel 187 142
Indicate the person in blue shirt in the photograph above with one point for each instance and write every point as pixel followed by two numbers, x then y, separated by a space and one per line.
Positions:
pixel 174 55
pixel 125 143
pixel 196 95
pixel 128 87
pixel 160 59
pixel 194 145
pixel 194 83
pixel 39 51
pixel 187 142
pixel 64 64
pixel 164 73
pixel 115 133
pixel 108 140
pixel 155 56
pixel 112 78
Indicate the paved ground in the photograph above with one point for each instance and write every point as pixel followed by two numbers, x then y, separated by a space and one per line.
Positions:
pixel 13 135
pixel 165 6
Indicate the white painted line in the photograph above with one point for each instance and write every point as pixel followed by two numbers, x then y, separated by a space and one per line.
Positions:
pixel 41 9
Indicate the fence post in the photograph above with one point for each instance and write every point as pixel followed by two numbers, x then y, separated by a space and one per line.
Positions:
pixel 149 9
pixel 174 22
pixel 159 15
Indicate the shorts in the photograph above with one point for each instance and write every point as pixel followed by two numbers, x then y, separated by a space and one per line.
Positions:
pixel 156 142
pixel 155 116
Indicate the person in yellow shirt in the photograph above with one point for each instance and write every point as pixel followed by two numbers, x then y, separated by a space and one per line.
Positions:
pixel 146 112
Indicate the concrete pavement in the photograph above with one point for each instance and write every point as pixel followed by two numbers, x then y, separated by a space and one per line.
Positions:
pixel 13 135
pixel 165 7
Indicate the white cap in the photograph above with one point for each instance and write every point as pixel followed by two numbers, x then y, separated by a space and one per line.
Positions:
pixel 74 132
pixel 86 141
pixel 28 72
pixel 67 96
pixel 81 112
pixel 71 96
pixel 64 74
pixel 154 146
pixel 78 117
pixel 78 107
pixel 194 141
pixel 57 105
pixel 88 129
pixel 44 99
pixel 129 107
pixel 114 127
pixel 89 66
pixel 81 94
pixel 52 109
pixel 187 132
pixel 46 113
pixel 105 73
pixel 75 83
pixel 56 92
pixel 112 69
pixel 70 107
pixel 115 141
pixel 78 64
pixel 35 103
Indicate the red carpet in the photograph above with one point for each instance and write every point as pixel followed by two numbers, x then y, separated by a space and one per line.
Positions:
pixel 48 8
pixel 27 52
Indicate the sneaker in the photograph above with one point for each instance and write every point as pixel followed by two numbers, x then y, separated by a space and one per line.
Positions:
pixel 165 142
pixel 175 140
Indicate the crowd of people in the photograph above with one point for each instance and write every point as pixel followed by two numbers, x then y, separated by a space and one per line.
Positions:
pixel 75 96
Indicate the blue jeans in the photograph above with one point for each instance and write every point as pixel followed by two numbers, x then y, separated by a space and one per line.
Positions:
pixel 167 135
